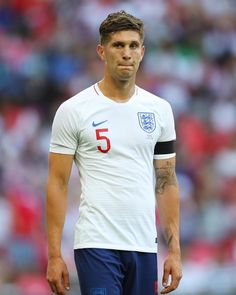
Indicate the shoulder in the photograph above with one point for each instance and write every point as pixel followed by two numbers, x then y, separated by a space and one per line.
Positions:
pixel 152 99
pixel 71 110
pixel 78 100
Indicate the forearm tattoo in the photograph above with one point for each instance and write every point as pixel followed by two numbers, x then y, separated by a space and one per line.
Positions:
pixel 168 237
pixel 165 176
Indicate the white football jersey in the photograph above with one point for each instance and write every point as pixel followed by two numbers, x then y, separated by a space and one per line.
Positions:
pixel 113 145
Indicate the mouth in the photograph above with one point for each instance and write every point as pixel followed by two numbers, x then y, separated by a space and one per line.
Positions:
pixel 125 66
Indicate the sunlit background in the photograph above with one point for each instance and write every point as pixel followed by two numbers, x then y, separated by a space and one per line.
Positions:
pixel 47 54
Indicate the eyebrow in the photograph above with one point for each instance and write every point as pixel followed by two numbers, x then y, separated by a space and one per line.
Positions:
pixel 123 42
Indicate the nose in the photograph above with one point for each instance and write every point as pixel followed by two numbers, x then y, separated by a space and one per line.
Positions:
pixel 126 53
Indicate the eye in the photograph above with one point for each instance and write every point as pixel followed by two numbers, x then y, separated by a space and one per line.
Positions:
pixel 118 45
pixel 134 45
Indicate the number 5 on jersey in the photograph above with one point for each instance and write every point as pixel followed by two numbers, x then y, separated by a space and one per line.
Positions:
pixel 100 136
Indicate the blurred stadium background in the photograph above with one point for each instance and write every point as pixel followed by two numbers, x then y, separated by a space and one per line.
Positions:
pixel 47 54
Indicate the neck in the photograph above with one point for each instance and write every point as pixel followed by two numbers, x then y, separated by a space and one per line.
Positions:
pixel 116 90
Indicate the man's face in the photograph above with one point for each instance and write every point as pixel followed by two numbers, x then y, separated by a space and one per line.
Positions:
pixel 122 54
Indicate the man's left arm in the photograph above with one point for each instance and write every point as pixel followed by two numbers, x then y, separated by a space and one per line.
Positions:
pixel 167 195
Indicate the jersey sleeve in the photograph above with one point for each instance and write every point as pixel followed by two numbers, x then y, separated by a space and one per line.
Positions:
pixel 64 136
pixel 165 146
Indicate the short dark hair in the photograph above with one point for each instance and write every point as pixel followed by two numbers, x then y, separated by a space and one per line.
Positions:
pixel 120 21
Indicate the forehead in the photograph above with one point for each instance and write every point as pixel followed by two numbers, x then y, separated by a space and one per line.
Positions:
pixel 125 36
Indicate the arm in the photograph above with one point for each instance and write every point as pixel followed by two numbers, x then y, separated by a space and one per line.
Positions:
pixel 167 195
pixel 59 172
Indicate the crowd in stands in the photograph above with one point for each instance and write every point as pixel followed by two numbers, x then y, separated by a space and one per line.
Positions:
pixel 47 54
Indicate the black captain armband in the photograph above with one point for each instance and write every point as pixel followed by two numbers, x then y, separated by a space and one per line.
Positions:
pixel 164 147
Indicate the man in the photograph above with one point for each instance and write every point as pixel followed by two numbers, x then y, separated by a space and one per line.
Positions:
pixel 115 131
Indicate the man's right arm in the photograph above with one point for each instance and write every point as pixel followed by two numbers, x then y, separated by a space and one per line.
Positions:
pixel 58 177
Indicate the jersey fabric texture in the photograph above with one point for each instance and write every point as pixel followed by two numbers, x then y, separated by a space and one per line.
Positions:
pixel 113 146
pixel 130 273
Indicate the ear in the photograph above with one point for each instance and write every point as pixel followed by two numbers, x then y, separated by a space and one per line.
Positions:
pixel 142 52
pixel 101 52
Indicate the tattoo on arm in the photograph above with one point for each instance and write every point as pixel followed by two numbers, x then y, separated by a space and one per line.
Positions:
pixel 165 176
pixel 168 237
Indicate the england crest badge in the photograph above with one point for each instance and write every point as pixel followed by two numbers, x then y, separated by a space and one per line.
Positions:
pixel 147 121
